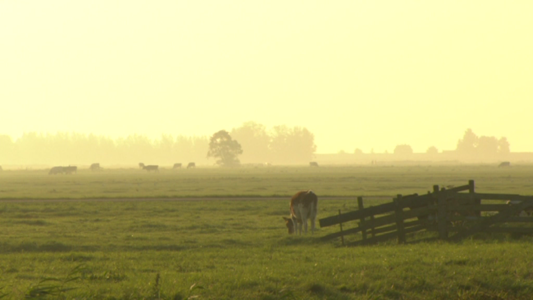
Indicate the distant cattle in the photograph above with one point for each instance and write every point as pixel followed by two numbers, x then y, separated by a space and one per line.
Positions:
pixel 55 170
pixel 70 169
pixel 191 165
pixel 63 170
pixel 504 164
pixel 151 168
pixel 95 167
pixel 177 166
pixel 141 165
pixel 313 164
pixel 303 206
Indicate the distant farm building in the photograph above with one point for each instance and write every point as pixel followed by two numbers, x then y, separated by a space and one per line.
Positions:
pixel 313 164
pixel 504 164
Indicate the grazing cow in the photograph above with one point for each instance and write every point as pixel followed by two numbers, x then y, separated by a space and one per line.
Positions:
pixel 177 166
pixel 56 170
pixel 504 164
pixel 313 164
pixel 151 168
pixel 95 167
pixel 191 165
pixel 141 165
pixel 70 169
pixel 304 206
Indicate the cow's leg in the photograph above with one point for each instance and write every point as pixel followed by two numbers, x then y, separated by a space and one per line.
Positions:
pixel 313 225
pixel 304 221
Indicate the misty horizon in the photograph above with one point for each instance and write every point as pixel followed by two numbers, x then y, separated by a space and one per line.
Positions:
pixel 356 74
pixel 279 145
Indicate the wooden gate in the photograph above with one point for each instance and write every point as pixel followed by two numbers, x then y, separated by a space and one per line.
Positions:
pixel 454 213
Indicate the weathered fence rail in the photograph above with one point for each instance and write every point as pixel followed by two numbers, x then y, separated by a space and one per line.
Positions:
pixel 456 210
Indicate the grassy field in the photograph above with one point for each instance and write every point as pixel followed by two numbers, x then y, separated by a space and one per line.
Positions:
pixel 231 248
pixel 260 181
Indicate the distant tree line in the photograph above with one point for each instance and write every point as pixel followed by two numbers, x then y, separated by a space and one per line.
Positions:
pixel 281 144
pixel 75 148
pixel 470 145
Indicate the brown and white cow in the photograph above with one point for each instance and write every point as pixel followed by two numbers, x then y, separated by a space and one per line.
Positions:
pixel 304 206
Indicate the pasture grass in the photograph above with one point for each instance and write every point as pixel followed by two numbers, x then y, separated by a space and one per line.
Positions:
pixel 260 181
pixel 239 249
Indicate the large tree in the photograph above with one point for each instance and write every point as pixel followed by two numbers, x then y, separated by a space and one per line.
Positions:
pixel 484 145
pixel 224 148
pixel 469 142
pixel 403 149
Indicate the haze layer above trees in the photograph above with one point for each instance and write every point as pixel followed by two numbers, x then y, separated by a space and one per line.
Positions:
pixel 278 145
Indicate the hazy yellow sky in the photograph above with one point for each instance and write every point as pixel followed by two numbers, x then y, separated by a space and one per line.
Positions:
pixel 358 74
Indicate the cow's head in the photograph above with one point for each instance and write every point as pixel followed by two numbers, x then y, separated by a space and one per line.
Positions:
pixel 291 224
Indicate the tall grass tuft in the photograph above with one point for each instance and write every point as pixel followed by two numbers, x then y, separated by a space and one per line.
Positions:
pixel 53 286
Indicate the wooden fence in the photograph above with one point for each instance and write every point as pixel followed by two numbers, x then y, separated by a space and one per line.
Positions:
pixel 454 213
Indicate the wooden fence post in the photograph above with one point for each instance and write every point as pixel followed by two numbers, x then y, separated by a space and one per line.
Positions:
pixel 373 229
pixel 471 186
pixel 441 214
pixel 471 190
pixel 399 219
pixel 342 236
pixel 362 220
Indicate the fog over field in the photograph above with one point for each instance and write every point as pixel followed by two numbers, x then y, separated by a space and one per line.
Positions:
pixel 357 75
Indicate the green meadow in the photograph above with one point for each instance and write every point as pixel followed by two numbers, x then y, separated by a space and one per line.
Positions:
pixel 260 181
pixel 218 234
